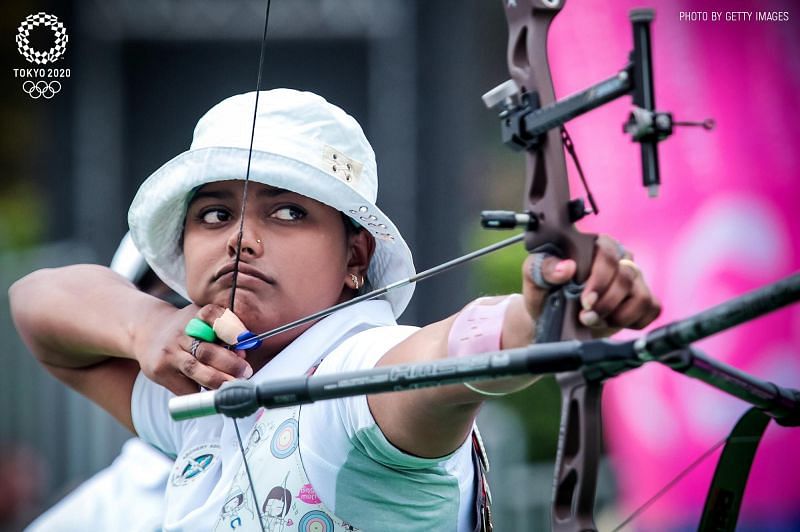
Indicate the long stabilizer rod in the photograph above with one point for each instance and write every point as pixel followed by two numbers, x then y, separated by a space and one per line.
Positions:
pixel 241 398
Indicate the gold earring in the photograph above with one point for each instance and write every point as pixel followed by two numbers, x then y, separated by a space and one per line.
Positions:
pixel 354 278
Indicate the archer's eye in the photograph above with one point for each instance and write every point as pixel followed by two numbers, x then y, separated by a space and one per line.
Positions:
pixel 215 216
pixel 289 213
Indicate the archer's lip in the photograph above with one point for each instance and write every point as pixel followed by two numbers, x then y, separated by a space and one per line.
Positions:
pixel 244 269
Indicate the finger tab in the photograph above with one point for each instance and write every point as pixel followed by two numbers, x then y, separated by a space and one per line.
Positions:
pixel 197 328
pixel 229 327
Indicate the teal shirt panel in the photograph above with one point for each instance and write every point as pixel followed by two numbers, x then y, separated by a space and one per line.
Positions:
pixel 411 492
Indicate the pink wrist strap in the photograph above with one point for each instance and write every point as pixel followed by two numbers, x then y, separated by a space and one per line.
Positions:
pixel 477 328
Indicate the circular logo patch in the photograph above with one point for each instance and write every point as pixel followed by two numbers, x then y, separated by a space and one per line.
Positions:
pixel 36 56
pixel 193 464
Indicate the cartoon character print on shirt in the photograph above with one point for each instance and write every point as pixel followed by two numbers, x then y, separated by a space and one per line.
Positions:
pixel 287 500
pixel 237 507
pixel 193 463
pixel 256 438
pixel 276 508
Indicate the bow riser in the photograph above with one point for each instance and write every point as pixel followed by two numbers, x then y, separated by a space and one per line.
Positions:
pixel 547 187
pixel 547 200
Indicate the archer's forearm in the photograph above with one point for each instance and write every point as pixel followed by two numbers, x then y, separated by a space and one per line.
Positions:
pixel 80 315
pixel 434 421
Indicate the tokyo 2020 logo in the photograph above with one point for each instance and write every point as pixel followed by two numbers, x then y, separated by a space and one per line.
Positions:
pixel 36 56
pixel 40 82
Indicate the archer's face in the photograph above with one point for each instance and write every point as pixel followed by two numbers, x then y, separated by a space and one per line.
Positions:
pixel 294 254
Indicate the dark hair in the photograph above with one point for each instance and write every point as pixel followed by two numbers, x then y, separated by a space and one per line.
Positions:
pixel 279 494
pixel 351 227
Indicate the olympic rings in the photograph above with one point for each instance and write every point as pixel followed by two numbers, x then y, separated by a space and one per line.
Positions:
pixel 41 89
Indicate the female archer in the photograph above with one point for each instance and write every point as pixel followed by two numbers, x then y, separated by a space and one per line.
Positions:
pixel 306 235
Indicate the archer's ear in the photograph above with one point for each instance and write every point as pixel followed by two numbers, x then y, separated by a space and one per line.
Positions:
pixel 361 247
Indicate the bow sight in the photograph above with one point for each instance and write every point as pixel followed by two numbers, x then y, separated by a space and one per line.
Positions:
pixel 524 120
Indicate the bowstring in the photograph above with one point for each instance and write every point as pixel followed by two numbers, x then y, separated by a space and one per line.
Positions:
pixel 249 160
pixel 680 476
pixel 239 247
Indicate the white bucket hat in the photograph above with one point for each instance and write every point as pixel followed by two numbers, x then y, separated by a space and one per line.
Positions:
pixel 303 144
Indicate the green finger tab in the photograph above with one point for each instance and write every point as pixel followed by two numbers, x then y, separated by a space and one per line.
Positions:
pixel 197 328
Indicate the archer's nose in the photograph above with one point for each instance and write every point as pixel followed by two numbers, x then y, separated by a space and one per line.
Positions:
pixel 250 244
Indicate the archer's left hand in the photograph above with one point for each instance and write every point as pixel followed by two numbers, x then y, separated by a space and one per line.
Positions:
pixel 615 295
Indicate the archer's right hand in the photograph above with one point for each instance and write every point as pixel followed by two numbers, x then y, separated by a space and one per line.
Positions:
pixel 167 356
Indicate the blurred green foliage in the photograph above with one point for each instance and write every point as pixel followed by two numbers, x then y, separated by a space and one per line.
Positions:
pixel 22 222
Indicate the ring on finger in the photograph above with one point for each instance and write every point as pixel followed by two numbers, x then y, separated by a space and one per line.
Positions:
pixel 632 265
pixel 536 272
pixel 622 253
pixel 195 345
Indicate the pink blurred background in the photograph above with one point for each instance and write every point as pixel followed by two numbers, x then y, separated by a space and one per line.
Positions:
pixel 723 224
